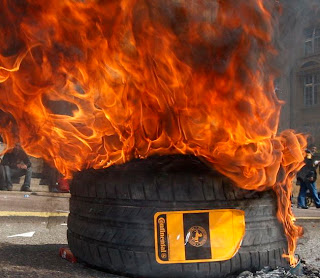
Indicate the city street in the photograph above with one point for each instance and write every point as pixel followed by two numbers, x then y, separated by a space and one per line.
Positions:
pixel 170 122
pixel 33 228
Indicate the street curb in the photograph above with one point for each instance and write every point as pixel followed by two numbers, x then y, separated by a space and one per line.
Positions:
pixel 308 217
pixel 33 214
pixel 37 193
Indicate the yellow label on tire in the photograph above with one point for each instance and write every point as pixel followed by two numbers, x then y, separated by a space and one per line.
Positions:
pixel 198 236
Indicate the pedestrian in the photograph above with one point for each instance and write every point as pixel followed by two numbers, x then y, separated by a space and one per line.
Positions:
pixel 313 150
pixel 16 164
pixel 307 177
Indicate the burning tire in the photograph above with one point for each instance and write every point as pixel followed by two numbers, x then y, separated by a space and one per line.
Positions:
pixel 110 225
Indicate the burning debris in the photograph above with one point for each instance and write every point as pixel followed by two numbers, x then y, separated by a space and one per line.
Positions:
pixel 140 78
pixel 306 271
pixel 267 272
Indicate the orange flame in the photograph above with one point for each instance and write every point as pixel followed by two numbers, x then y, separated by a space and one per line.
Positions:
pixel 92 83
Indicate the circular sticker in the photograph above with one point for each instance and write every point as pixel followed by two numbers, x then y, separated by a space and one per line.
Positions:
pixel 198 236
pixel 163 255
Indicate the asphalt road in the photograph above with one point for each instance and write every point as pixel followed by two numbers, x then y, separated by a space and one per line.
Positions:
pixel 30 242
pixel 308 247
pixel 38 254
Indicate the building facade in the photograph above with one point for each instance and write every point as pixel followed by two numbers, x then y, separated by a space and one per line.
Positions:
pixel 299 86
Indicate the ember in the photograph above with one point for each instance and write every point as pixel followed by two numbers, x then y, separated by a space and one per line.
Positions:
pixel 141 78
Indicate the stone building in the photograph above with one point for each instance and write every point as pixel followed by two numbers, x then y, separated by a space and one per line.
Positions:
pixel 299 85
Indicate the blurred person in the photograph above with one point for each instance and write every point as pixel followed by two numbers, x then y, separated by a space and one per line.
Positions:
pixel 307 177
pixel 313 150
pixel 16 164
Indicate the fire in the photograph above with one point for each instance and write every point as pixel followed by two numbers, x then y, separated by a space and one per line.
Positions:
pixel 92 83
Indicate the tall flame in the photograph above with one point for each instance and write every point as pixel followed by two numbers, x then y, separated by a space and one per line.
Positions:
pixel 92 83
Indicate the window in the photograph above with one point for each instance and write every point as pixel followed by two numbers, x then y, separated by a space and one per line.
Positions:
pixel 311 88
pixel 312 41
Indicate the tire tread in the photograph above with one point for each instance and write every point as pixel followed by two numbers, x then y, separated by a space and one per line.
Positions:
pixel 110 225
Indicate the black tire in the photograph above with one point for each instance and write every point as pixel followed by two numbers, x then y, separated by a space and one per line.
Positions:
pixel 110 225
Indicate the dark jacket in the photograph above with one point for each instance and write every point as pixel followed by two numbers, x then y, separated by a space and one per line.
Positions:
pixel 14 157
pixel 308 171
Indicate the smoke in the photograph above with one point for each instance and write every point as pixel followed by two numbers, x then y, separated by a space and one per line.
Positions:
pixel 296 16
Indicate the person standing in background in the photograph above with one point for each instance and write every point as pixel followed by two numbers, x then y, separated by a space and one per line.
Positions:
pixel 307 177
pixel 313 150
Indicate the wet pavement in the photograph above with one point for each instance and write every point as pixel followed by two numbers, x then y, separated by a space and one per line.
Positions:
pixel 30 241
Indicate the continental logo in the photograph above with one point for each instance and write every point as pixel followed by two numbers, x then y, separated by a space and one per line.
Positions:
pixel 186 236
pixel 197 236
pixel 162 240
